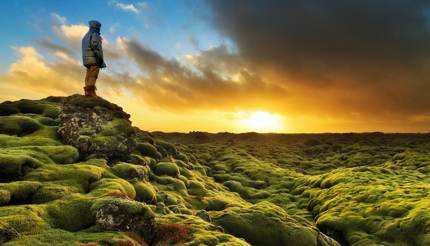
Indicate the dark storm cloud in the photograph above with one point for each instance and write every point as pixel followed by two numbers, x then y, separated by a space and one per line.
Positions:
pixel 372 55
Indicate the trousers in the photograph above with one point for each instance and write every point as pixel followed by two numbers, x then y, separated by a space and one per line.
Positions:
pixel 92 75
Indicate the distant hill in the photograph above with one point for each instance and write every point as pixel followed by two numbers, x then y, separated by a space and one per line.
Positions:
pixel 74 171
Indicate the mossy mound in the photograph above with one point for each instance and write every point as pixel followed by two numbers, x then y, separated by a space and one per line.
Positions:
pixel 267 224
pixel 18 125
pixel 96 127
pixel 166 168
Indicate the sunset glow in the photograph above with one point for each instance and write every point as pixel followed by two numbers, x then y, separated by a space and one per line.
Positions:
pixel 261 121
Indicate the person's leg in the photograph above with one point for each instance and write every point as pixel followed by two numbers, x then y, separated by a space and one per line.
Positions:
pixel 87 81
pixel 87 76
pixel 93 75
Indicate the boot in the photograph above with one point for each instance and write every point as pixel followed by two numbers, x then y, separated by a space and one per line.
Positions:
pixel 90 90
pixel 93 90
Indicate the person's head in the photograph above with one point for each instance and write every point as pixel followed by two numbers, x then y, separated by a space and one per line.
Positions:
pixel 95 25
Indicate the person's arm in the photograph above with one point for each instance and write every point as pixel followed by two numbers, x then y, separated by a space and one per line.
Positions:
pixel 96 45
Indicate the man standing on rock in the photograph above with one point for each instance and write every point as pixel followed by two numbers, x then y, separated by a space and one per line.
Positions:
pixel 92 55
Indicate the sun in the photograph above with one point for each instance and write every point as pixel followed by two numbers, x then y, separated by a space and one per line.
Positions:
pixel 261 121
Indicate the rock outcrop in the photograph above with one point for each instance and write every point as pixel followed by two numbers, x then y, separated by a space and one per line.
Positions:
pixel 96 127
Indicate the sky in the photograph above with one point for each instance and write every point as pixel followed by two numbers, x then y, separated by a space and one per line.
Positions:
pixel 220 65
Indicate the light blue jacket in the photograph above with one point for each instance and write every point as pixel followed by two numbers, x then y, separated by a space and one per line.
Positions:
pixel 92 51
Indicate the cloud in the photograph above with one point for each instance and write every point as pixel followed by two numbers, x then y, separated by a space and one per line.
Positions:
pixel 368 58
pixel 130 7
pixel 53 47
pixel 72 34
pixel 33 73
pixel 172 85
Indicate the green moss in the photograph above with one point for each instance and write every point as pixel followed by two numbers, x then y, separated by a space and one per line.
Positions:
pixel 130 171
pixel 18 125
pixel 15 163
pixel 148 149
pixel 59 154
pixel 60 237
pixel 4 197
pixel 196 188
pixel 115 213
pixel 8 108
pixel 115 126
pixel 145 192
pixel 29 106
pixel 195 231
pixel 107 186
pixel 166 168
pixel 128 207
pixel 53 191
pixel 72 214
pixel 221 200
pixel 246 192
pixel 51 111
pixel 217 204
pixel 21 191
pixel 25 219
pixel 165 148
pixel 81 175
pixel 267 224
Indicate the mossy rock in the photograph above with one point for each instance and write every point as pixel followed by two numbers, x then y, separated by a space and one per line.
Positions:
pixel 79 176
pixel 8 108
pixel 13 141
pixel 267 224
pixel 51 111
pixel 52 191
pixel 72 214
pixel 116 126
pixel 98 128
pixel 130 171
pixel 120 214
pixel 18 125
pixel 217 204
pixel 106 186
pixel 15 164
pixel 59 154
pixel 196 188
pixel 145 192
pixel 21 192
pixel 31 106
pixel 165 148
pixel 166 168
pixel 148 149
pixel 4 197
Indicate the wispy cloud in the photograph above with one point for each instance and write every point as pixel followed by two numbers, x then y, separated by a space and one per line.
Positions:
pixel 135 8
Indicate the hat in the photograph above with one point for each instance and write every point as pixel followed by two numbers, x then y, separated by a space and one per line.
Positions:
pixel 94 24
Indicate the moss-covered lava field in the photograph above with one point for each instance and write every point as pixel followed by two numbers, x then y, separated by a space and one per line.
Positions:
pixel 113 184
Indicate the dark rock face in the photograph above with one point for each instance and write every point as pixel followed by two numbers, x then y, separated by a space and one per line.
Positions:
pixel 98 128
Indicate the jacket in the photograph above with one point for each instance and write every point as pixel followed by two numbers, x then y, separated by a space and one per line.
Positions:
pixel 92 51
